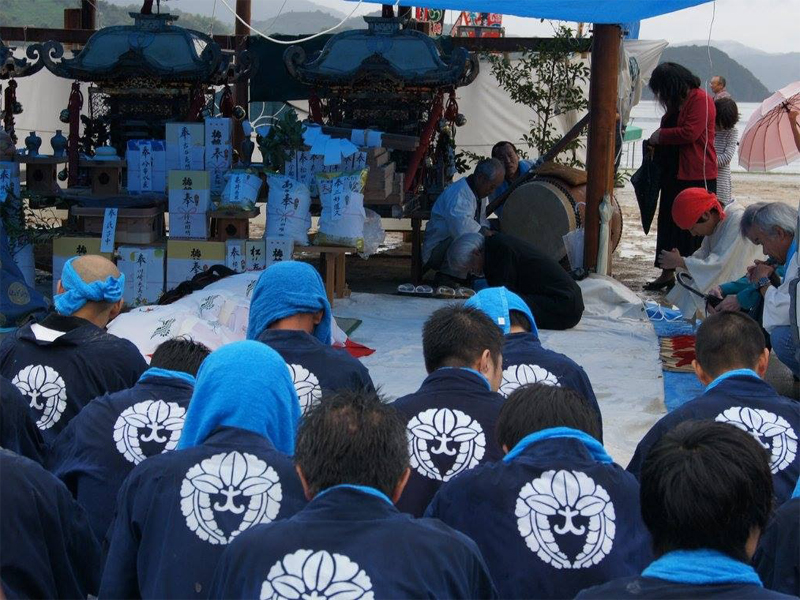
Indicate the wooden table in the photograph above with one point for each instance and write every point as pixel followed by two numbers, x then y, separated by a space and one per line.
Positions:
pixel 334 262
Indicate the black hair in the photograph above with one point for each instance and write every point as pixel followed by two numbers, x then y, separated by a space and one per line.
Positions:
pixel 727 341
pixel 519 319
pixel 671 83
pixel 352 437
pixel 499 145
pixel 180 354
pixel 705 485
pixel 457 335
pixel 538 406
pixel 727 113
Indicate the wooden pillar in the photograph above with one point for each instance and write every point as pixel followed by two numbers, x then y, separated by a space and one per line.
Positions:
pixel 88 15
pixel 600 147
pixel 241 93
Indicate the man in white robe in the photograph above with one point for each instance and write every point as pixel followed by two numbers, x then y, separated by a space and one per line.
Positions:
pixel 723 255
pixel 459 210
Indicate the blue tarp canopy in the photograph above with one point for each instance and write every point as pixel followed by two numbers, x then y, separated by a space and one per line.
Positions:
pixel 586 11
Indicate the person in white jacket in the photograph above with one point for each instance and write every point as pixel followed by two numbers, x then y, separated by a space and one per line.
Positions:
pixel 774 228
pixel 723 255
pixel 459 210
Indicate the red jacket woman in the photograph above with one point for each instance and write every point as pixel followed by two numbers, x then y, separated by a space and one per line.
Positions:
pixel 694 135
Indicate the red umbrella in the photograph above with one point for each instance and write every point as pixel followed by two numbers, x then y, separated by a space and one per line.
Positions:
pixel 767 141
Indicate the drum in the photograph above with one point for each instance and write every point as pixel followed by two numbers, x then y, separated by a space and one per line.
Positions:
pixel 542 211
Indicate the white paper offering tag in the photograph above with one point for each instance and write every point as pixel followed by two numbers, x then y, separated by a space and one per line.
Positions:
pixel 146 165
pixel 140 278
pixel 185 149
pixel 109 230
pixel 6 183
pixel 279 249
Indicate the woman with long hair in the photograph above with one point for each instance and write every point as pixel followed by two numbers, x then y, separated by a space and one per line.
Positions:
pixel 685 150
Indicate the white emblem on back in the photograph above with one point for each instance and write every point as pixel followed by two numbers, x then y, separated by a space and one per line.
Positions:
pixel 447 432
pixel 233 482
pixel 549 504
pixel 519 375
pixel 46 390
pixel 319 575
pixel 772 431
pixel 162 420
pixel 306 385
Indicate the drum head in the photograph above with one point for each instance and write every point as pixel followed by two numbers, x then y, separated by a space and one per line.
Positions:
pixel 540 213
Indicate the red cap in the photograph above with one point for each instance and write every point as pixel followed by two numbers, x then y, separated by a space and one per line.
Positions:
pixel 690 205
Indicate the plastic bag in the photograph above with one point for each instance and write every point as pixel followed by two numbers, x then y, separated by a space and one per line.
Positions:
pixel 342 220
pixel 288 204
pixel 573 242
pixel 374 235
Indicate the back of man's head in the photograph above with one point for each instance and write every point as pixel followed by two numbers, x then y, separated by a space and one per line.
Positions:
pixel 180 354
pixel 706 485
pixel 90 287
pixel 536 407
pixel 457 336
pixel 728 340
pixel 352 437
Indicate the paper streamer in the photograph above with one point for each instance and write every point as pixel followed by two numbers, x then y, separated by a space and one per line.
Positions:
pixel 374 139
pixel 140 278
pixel 109 230
pixel 185 149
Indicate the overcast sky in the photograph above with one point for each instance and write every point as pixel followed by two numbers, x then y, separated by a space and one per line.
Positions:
pixel 769 25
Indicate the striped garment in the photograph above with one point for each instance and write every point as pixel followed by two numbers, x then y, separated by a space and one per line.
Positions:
pixel 725 143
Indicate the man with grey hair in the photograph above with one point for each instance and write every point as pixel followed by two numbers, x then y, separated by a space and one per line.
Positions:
pixel 549 291
pixel 68 359
pixel 772 226
pixel 717 85
pixel 459 210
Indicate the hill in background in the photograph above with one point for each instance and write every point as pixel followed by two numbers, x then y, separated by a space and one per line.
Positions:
pixel 774 70
pixel 304 23
pixel 50 13
pixel 742 84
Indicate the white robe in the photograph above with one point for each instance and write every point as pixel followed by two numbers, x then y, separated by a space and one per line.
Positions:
pixel 777 300
pixel 453 215
pixel 723 256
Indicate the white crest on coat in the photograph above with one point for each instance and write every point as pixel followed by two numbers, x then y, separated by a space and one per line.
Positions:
pixel 320 575
pixel 306 385
pixel 444 431
pixel 557 495
pixel 771 430
pixel 46 390
pixel 162 420
pixel 250 488
pixel 518 375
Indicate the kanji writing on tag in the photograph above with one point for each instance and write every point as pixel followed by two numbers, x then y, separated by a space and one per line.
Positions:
pixel 216 137
pixel 80 250
pixel 277 255
pixel 187 183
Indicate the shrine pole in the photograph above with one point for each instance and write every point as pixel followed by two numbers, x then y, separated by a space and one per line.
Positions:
pixel 600 147
pixel 241 92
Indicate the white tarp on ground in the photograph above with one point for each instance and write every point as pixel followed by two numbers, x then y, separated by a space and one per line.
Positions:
pixel 614 343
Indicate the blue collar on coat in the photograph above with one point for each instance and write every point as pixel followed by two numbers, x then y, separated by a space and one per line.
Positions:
pixel 594 447
pixel 701 567
pixel 467 369
pixel 167 374
pixel 790 255
pixel 365 489
pixel 735 373
pixel 796 492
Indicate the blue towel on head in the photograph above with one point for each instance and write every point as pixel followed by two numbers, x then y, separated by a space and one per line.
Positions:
pixel 77 292
pixel 497 302
pixel 246 385
pixel 286 289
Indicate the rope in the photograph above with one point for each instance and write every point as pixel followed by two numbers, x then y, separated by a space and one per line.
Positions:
pixel 289 42
pixel 710 70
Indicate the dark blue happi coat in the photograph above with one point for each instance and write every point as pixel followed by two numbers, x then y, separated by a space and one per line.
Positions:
pixel 351 544
pixel 742 399
pixel 650 587
pixel 450 426
pixel 550 522
pixel 18 431
pixel 48 549
pixel 777 560
pixel 315 366
pixel 114 433
pixel 177 512
pixel 525 361
pixel 61 376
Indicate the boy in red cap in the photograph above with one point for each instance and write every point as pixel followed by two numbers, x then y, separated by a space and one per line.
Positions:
pixel 723 255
